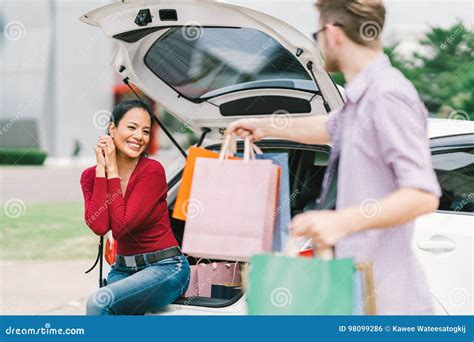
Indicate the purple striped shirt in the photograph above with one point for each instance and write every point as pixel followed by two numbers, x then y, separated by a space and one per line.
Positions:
pixel 383 147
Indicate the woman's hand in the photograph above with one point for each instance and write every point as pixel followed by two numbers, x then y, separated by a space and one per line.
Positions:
pixel 100 158
pixel 108 146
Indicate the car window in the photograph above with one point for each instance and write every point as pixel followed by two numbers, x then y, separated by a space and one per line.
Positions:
pixel 203 62
pixel 455 172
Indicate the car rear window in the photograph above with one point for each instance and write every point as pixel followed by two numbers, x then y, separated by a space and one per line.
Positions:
pixel 203 62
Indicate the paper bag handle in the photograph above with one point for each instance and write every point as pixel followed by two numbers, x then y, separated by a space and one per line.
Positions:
pixel 228 147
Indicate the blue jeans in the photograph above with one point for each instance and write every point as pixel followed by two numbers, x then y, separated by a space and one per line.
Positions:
pixel 138 290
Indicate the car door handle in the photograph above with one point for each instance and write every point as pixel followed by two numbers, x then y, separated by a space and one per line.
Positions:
pixel 436 244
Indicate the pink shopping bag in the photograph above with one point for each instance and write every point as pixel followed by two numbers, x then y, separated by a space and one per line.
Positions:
pixel 193 290
pixel 237 201
pixel 216 273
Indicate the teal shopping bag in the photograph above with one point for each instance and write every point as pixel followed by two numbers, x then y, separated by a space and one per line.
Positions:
pixel 282 285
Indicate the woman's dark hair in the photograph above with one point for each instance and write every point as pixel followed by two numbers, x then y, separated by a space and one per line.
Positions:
pixel 123 107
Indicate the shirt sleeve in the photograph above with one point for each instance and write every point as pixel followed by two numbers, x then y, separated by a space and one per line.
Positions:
pixel 148 191
pixel 401 133
pixel 96 211
pixel 331 123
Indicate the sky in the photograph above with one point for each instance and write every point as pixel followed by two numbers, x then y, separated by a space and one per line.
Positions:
pixel 406 19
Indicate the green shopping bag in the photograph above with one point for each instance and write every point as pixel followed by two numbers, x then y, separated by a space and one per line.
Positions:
pixel 283 285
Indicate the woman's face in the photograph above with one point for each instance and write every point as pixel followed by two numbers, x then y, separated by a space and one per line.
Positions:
pixel 133 132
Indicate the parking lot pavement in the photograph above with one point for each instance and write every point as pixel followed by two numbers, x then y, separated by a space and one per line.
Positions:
pixel 45 288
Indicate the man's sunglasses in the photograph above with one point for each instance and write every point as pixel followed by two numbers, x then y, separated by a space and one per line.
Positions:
pixel 315 34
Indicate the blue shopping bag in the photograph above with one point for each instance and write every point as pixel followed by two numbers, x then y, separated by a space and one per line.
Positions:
pixel 283 211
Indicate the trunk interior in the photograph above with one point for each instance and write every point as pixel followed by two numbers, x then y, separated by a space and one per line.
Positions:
pixel 307 164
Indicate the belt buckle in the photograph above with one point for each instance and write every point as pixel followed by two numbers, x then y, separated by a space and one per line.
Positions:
pixel 130 261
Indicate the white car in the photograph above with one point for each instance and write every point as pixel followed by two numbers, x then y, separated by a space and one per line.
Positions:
pixel 210 63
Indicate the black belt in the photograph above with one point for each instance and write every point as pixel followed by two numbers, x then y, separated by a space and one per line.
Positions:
pixel 147 258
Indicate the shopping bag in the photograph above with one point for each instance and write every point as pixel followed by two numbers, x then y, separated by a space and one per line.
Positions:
pixel 283 211
pixel 237 201
pixel 193 288
pixel 181 203
pixel 340 287
pixel 182 198
pixel 216 273
pixel 363 283
pixel 366 304
pixel 110 249
pixel 283 285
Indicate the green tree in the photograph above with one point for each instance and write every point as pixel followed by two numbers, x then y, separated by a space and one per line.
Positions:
pixel 443 73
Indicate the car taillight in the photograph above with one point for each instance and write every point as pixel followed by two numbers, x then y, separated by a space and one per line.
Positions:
pixel 110 250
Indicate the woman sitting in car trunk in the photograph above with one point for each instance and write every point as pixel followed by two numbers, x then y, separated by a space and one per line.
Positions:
pixel 126 193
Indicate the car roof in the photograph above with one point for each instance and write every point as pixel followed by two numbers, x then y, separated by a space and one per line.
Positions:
pixel 448 127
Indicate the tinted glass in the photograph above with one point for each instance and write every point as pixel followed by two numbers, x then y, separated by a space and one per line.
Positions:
pixel 205 62
pixel 455 171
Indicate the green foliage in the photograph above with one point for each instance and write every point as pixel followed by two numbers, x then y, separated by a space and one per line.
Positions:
pixel 338 78
pixel 443 73
pixel 21 156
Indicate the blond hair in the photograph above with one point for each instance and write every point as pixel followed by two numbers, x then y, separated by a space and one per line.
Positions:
pixel 361 20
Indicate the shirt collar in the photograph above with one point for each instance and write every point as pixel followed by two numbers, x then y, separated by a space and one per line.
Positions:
pixel 357 87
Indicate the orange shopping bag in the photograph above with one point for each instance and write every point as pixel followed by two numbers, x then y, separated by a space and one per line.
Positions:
pixel 182 199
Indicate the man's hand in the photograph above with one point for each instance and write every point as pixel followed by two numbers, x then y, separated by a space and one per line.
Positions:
pixel 324 227
pixel 255 129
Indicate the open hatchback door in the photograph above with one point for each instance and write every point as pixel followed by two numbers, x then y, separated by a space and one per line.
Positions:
pixel 210 63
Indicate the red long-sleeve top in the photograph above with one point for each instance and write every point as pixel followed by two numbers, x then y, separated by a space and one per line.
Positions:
pixel 139 220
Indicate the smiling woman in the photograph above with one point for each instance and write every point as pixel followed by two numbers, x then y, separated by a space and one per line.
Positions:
pixel 126 193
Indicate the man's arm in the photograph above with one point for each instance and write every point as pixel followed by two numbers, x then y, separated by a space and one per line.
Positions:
pixel 307 130
pixel 399 207
pixel 328 226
